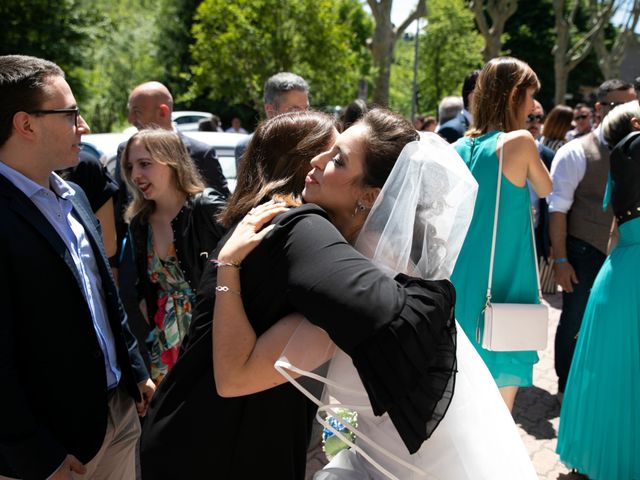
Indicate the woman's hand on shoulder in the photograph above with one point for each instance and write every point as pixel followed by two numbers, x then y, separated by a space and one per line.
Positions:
pixel 249 232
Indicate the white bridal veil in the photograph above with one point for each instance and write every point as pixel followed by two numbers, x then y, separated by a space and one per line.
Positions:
pixel 419 221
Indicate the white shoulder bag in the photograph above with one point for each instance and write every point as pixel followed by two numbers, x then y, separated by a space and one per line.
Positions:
pixel 510 327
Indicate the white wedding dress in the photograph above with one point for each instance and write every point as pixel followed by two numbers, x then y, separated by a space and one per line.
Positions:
pixel 417 226
pixel 476 440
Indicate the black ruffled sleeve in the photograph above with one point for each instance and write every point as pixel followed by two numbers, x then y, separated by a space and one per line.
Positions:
pixel 408 366
pixel 399 332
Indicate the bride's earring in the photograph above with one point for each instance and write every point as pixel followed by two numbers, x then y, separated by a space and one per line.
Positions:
pixel 359 208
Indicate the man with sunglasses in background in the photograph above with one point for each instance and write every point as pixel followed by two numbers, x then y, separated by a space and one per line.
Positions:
pixel 73 382
pixel 579 228
pixel 582 121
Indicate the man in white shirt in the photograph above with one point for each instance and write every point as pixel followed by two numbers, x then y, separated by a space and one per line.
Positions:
pixel 579 228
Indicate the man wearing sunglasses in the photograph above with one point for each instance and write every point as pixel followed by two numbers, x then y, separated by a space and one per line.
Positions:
pixel 70 369
pixel 578 227
pixel 582 121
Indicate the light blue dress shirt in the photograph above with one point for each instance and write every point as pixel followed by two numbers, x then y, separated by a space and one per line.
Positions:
pixel 56 206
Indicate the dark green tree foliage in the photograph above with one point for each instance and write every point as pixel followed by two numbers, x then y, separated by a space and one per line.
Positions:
pixel 239 44
pixel 173 38
pixel 58 31
pixel 450 49
pixel 531 36
pixel 123 54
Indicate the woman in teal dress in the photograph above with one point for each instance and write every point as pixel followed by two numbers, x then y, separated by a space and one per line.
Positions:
pixel 503 98
pixel 600 418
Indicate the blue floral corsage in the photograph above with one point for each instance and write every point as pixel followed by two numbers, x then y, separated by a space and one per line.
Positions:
pixel 331 444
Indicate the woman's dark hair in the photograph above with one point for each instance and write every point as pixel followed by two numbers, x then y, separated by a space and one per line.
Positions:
pixel 277 160
pixel 354 112
pixel 388 133
pixel 558 122
pixel 499 94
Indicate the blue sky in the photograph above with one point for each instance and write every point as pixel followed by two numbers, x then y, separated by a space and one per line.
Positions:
pixel 401 9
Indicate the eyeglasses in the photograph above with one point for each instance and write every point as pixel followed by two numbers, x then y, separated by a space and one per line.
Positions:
pixel 58 111
pixel 612 104
pixel 532 118
pixel 581 116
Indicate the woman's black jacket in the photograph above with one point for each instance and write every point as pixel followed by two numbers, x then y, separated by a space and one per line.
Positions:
pixel 195 233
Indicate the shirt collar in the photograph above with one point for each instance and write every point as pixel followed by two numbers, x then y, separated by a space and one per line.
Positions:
pixel 30 188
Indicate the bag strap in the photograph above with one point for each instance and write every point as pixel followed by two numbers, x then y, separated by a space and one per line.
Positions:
pixel 495 230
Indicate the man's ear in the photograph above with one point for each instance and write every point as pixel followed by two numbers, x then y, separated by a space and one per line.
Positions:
pixel 635 123
pixel 23 125
pixel 270 110
pixel 369 196
pixel 597 106
pixel 165 111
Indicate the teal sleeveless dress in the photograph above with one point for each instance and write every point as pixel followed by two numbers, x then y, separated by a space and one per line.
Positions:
pixel 599 431
pixel 514 273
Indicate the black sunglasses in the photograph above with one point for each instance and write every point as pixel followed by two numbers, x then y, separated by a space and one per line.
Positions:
pixel 58 111
pixel 581 116
pixel 531 118
pixel 612 104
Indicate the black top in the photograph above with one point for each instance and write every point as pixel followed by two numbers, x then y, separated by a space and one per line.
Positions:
pixel 195 233
pixel 92 176
pixel 625 172
pixel 303 265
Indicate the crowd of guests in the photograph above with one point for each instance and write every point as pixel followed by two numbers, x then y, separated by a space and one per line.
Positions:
pixel 352 256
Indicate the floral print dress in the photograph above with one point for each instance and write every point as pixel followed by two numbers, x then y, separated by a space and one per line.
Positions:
pixel 175 298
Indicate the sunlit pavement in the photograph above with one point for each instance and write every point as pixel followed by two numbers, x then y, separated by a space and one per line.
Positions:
pixel 537 409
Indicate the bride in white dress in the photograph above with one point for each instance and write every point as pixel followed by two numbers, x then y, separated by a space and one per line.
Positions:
pixel 416 226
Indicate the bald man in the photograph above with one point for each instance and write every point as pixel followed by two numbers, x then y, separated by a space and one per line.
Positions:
pixel 151 104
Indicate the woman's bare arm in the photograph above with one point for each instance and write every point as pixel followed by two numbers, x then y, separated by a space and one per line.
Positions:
pixel 243 363
pixel 108 224
pixel 522 162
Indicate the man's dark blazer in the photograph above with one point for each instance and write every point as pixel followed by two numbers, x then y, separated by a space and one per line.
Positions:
pixel 204 156
pixel 454 128
pixel 241 146
pixel 52 371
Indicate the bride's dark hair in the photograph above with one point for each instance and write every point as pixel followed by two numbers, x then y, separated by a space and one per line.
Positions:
pixel 388 133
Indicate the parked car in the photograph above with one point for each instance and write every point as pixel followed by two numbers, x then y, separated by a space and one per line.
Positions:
pixel 187 121
pixel 224 143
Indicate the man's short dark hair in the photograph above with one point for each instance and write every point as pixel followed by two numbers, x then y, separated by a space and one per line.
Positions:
pixel 613 85
pixel 636 85
pixel 23 82
pixel 281 83
pixel 467 87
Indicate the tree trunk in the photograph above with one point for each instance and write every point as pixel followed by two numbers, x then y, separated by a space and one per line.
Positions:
pixel 609 60
pixel 499 11
pixel 566 57
pixel 383 43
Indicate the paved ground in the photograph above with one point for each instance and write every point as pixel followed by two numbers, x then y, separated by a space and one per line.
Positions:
pixel 537 410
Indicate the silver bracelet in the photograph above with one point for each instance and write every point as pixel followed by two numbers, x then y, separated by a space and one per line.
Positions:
pixel 219 264
pixel 225 289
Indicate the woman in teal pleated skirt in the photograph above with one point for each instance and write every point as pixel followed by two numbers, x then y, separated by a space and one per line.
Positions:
pixel 600 418
pixel 503 98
